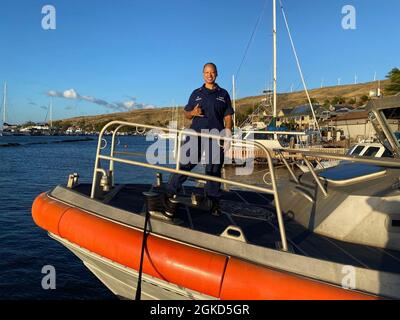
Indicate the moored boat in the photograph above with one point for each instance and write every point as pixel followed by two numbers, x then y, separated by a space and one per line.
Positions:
pixel 272 242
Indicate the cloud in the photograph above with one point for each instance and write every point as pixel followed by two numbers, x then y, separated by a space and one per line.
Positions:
pixel 67 94
pixel 70 94
pixel 128 105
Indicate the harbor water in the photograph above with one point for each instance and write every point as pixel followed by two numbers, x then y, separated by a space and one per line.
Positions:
pixel 32 165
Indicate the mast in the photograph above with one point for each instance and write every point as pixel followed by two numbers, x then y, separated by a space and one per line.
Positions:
pixel 275 57
pixel 234 101
pixel 51 112
pixel 4 102
pixel 299 67
pixel 174 120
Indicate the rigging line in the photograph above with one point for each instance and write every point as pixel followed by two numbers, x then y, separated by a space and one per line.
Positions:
pixel 251 39
pixel 299 66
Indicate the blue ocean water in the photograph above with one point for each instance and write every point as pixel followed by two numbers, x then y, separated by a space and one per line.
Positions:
pixel 32 166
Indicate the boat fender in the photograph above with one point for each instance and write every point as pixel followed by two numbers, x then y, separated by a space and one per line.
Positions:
pixel 47 213
pixel 244 281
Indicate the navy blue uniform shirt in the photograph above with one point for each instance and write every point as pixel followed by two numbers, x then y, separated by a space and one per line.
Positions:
pixel 215 104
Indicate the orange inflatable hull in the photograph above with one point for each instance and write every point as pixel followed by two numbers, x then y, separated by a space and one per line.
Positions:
pixel 210 273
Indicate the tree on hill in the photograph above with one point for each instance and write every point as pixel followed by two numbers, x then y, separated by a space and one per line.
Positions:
pixel 100 125
pixel 326 104
pixel 62 125
pixel 352 101
pixel 363 100
pixel 28 124
pixel 338 100
pixel 394 86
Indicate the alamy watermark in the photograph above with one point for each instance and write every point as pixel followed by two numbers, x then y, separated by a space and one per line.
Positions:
pixel 49 20
pixel 349 20
pixel 203 150
pixel 49 280
pixel 349 278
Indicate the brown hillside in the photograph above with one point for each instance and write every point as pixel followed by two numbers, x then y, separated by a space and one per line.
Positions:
pixel 162 116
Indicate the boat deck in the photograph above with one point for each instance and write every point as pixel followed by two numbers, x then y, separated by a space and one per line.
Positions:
pixel 255 215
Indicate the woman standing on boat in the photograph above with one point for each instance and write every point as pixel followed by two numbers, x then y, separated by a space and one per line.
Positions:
pixel 211 111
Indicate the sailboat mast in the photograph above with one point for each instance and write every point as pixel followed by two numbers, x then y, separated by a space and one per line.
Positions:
pixel 51 112
pixel 4 102
pixel 275 58
pixel 234 101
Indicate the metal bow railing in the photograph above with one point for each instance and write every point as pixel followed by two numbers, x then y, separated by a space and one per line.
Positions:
pixel 99 172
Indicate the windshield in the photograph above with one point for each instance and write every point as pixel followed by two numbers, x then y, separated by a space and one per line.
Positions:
pixel 397 135
pixel 389 117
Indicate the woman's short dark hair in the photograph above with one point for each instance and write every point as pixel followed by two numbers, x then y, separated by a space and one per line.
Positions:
pixel 211 64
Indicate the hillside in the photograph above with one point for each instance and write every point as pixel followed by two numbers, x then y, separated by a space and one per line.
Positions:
pixel 350 93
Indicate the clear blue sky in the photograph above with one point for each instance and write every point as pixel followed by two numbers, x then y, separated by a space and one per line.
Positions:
pixel 150 53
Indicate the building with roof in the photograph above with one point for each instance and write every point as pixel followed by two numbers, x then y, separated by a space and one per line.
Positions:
pixel 356 125
pixel 299 118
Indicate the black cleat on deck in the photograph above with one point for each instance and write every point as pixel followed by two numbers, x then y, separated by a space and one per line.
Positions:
pixel 170 206
pixel 216 209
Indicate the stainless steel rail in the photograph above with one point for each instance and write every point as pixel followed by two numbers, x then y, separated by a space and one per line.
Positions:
pixel 383 162
pixel 179 134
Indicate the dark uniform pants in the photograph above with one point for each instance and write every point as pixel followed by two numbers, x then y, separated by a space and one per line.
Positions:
pixel 214 158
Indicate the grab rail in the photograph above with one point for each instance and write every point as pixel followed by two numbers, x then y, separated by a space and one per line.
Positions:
pixel 383 162
pixel 177 170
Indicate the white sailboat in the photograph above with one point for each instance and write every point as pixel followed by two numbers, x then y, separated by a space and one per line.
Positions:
pixel 277 139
